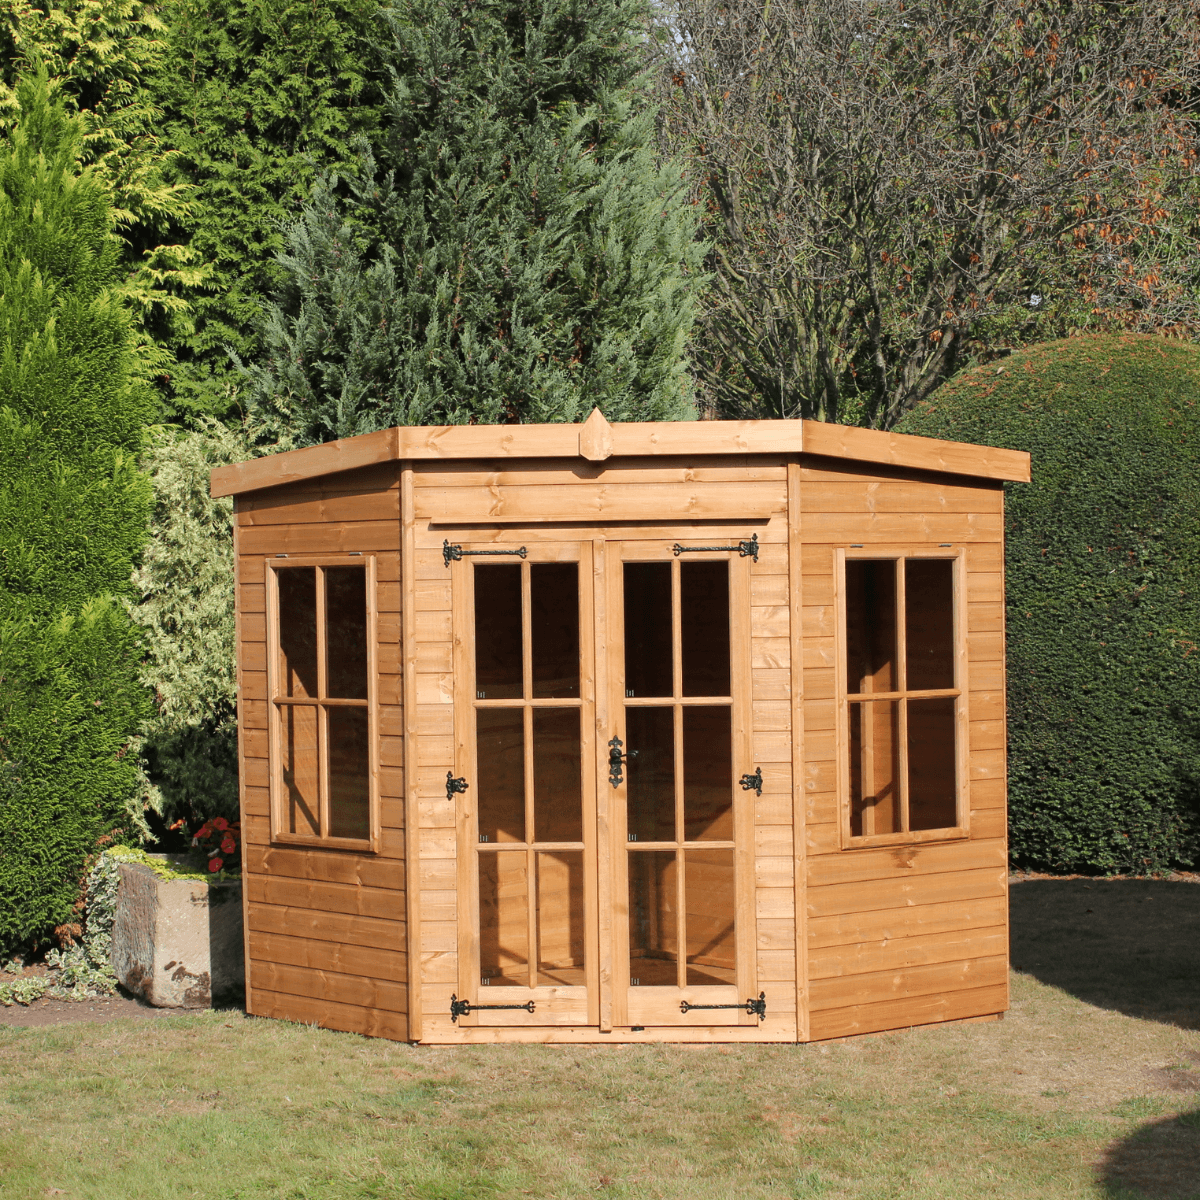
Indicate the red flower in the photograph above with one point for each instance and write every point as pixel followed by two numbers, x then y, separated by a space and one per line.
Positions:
pixel 220 824
pixel 203 831
pixel 228 845
pixel 215 864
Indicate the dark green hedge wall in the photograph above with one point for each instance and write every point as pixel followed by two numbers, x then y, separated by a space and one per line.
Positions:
pixel 74 509
pixel 1103 603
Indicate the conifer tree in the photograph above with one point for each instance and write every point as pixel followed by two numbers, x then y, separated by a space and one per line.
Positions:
pixel 74 402
pixel 506 249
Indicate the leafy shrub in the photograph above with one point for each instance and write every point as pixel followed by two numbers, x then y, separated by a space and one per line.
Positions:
pixel 1103 594
pixel 185 610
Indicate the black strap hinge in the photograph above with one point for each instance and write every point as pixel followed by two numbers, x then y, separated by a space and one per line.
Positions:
pixel 753 1008
pixel 462 1008
pixel 746 549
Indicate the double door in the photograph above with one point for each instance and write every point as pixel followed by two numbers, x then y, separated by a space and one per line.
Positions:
pixel 603 784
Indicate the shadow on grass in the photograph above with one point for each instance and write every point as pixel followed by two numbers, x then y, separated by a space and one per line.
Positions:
pixel 1132 945
pixel 1159 1161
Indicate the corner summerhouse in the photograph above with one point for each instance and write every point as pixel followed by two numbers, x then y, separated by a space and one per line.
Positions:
pixel 636 732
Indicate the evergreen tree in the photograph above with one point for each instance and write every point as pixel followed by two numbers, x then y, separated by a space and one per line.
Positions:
pixel 507 249
pixel 255 97
pixel 74 401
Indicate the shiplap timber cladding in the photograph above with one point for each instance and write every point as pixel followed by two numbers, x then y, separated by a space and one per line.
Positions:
pixel 839 934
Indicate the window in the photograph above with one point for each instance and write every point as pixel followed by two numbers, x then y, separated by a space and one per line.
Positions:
pixel 903 710
pixel 320 675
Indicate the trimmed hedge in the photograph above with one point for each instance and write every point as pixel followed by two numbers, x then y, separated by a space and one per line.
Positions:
pixel 1103 594
pixel 73 514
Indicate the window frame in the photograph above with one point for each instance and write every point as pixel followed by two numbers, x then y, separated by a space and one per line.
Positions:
pixel 898 554
pixel 279 833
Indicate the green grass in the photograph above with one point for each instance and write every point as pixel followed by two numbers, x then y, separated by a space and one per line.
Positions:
pixel 1062 1099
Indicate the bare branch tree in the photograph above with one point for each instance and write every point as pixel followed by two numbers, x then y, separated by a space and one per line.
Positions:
pixel 892 186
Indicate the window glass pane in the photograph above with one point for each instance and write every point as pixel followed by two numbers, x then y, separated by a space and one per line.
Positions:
pixel 704 621
pixel 708 921
pixel 929 623
pixel 650 771
pixel 504 919
pixel 653 935
pixel 708 773
pixel 870 625
pixel 874 768
pixel 297 631
pixel 560 918
pixel 500 755
pixel 648 656
pixel 554 625
pixel 298 742
pixel 346 632
pixel 349 773
pixel 931 764
pixel 557 776
pixel 498 631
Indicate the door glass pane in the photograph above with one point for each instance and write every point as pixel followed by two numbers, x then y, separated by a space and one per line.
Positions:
pixel 498 631
pixel 870 625
pixel 650 771
pixel 346 632
pixel 297 631
pixel 560 918
pixel 709 920
pixel 929 623
pixel 500 747
pixel 931 764
pixel 707 773
pixel 648 655
pixel 653 933
pixel 875 768
pixel 554 626
pixel 557 776
pixel 349 773
pixel 504 919
pixel 298 741
pixel 704 621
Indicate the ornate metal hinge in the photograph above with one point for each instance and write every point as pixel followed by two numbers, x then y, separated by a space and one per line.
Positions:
pixel 455 785
pixel 753 1008
pixel 753 782
pixel 451 553
pixel 614 760
pixel 745 549
pixel 461 1008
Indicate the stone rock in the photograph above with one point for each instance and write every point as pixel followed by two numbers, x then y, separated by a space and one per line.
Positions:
pixel 178 942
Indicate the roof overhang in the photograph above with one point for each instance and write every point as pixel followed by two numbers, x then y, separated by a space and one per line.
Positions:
pixel 595 440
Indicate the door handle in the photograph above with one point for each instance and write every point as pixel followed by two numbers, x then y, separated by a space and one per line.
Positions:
pixel 615 756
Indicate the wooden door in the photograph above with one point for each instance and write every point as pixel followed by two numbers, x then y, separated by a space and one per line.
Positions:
pixel 605 832
pixel 680 785
pixel 526 815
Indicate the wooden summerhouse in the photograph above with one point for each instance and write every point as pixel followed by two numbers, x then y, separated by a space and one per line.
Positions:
pixel 636 732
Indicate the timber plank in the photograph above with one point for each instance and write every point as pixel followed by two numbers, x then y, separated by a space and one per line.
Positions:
pixel 481 474
pixel 893 954
pixel 922 920
pixel 342 928
pixel 305 864
pixel 340 537
pixel 386 904
pixel 307 508
pixel 878 528
pixel 893 862
pixel 909 1012
pixel 832 492
pixel 872 895
pixel 329 985
pixel 328 1015
pixel 341 958
pixel 928 979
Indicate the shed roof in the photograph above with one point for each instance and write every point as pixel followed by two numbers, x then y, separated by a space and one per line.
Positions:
pixel 596 440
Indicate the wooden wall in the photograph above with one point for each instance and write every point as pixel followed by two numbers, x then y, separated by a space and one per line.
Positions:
pixel 326 936
pixel 905 935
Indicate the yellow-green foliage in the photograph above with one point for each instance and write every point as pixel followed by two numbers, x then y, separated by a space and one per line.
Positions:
pixel 185 609
pixel 1103 580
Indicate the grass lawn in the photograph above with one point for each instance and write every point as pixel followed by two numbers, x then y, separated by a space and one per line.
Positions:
pixel 1075 1094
